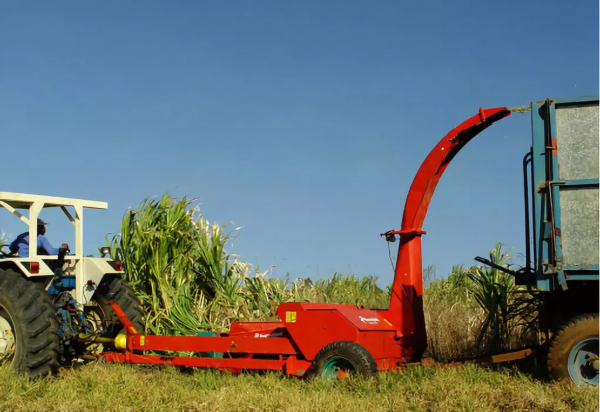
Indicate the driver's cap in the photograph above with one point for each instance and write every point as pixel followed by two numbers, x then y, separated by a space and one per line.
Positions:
pixel 41 222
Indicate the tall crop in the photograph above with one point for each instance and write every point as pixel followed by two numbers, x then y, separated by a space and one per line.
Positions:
pixel 479 310
pixel 508 308
pixel 174 258
pixel 177 263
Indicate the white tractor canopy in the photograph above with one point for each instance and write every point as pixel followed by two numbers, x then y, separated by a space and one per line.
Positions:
pixel 13 202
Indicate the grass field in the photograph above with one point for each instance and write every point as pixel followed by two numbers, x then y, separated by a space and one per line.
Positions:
pixel 123 387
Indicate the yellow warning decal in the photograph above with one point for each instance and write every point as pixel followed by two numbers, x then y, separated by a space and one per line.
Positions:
pixel 142 340
pixel 290 317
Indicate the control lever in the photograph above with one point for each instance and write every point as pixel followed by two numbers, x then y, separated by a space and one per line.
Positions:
pixel 62 252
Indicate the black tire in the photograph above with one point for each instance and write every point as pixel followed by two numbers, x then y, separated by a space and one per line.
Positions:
pixel 579 333
pixel 32 317
pixel 346 356
pixel 116 289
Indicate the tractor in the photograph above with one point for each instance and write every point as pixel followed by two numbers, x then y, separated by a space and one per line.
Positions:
pixel 54 309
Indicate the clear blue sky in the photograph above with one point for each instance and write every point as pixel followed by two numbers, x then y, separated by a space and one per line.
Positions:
pixel 304 122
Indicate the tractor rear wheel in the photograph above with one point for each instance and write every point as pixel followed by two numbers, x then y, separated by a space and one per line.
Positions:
pixel 342 358
pixel 116 289
pixel 573 352
pixel 29 340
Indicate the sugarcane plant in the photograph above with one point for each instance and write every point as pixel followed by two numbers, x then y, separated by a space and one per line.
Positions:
pixel 508 309
pixel 173 258
pixel 176 261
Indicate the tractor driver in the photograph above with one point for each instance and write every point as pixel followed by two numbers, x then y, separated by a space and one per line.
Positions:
pixel 21 243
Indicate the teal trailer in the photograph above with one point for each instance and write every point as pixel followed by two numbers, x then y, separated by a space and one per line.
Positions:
pixel 561 200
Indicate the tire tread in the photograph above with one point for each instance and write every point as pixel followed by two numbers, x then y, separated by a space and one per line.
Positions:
pixel 32 313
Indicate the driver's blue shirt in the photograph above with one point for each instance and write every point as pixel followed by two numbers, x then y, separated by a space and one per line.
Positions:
pixel 21 245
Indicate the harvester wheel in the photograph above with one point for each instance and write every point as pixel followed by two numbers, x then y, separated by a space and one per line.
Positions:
pixel 29 340
pixel 116 289
pixel 573 352
pixel 342 358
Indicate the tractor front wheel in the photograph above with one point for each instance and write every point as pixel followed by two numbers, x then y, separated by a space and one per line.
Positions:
pixel 119 291
pixel 342 358
pixel 29 340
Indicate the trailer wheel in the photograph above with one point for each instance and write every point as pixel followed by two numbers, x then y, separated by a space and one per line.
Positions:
pixel 342 358
pixel 116 289
pixel 29 340
pixel 573 352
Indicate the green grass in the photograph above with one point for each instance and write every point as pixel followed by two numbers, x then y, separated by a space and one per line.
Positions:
pixel 124 387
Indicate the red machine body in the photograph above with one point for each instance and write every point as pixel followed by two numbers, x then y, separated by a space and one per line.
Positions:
pixel 393 336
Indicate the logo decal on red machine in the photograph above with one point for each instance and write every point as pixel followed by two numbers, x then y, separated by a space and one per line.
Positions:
pixel 268 335
pixel 369 321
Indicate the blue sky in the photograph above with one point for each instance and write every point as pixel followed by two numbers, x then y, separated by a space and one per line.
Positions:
pixel 304 122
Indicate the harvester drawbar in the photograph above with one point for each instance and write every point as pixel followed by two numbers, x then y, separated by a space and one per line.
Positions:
pixel 327 339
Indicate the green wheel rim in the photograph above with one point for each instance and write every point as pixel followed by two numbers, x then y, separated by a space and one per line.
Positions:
pixel 332 367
